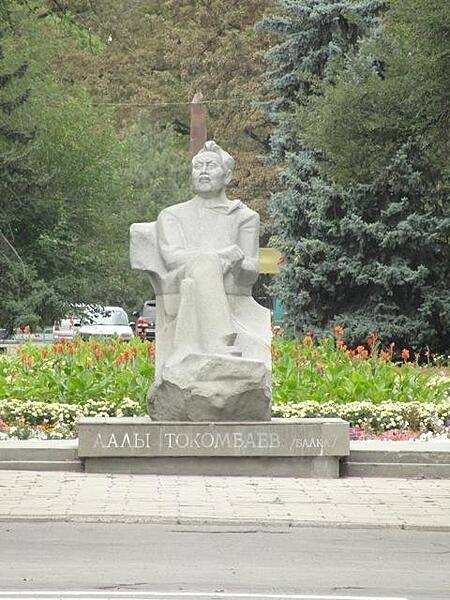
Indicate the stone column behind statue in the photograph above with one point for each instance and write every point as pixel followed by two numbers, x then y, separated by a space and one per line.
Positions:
pixel 213 359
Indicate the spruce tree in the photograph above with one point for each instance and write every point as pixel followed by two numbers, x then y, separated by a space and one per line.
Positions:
pixel 369 255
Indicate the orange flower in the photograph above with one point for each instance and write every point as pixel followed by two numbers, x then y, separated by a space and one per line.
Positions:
pixel 276 353
pixel 341 345
pixel 44 352
pixel 301 361
pixel 351 353
pixel 386 355
pixel 119 360
pixel 27 329
pixel 98 353
pixel 27 360
pixel 372 339
pixel 307 340
pixel 70 349
pixel 338 330
pixel 58 348
pixel 315 354
pixel 405 354
pixel 320 367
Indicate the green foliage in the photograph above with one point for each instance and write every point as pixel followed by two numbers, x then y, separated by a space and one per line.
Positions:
pixel 327 371
pixel 22 289
pixel 391 90
pixel 158 169
pixel 66 212
pixel 77 372
pixel 156 55
pixel 362 218
pixel 44 389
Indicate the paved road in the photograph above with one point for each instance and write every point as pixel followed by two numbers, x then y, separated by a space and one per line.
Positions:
pixel 111 557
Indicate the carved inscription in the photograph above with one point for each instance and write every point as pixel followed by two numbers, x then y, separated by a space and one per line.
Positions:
pixel 306 443
pixel 154 441
pixel 218 440
pixel 126 440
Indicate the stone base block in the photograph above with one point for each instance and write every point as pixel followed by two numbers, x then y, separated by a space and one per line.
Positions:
pixel 281 447
pixel 320 467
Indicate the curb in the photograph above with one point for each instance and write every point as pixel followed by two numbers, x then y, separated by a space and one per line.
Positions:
pixel 218 522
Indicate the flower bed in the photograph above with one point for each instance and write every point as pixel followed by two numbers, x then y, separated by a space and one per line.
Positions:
pixel 45 389
pixel 34 419
pixel 76 372
pixel 326 370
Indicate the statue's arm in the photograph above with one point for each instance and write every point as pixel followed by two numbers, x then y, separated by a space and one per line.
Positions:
pixel 248 242
pixel 172 243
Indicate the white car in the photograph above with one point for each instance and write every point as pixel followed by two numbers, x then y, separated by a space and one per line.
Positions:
pixel 104 322
pixel 66 329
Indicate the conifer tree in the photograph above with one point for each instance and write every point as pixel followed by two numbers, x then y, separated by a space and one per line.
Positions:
pixel 371 254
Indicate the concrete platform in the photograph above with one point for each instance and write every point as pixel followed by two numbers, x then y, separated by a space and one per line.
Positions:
pixel 416 460
pixel 276 448
pixel 40 455
pixel 408 459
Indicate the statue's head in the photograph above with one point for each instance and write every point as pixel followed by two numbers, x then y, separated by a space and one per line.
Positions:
pixel 212 169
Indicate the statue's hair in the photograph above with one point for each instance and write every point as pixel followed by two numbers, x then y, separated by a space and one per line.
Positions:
pixel 226 159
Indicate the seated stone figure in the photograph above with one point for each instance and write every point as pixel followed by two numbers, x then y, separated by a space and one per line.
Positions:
pixel 213 340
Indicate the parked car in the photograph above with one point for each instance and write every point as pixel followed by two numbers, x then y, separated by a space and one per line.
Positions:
pixel 67 328
pixel 104 322
pixel 145 326
pixel 4 333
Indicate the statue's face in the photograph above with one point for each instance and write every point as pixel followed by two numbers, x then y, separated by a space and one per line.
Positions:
pixel 208 174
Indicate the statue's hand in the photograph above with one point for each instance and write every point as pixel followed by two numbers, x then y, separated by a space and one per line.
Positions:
pixel 236 256
pixel 232 256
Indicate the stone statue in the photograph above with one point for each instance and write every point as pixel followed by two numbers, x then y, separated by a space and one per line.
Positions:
pixel 213 358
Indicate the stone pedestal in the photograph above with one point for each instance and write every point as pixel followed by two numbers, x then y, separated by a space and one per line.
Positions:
pixel 212 388
pixel 281 447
